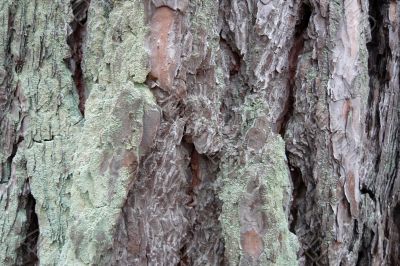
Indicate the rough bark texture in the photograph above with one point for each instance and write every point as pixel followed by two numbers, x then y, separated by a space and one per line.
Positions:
pixel 231 132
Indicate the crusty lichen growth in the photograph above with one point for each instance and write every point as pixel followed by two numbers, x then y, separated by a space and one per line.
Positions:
pixel 115 50
pixel 232 191
pixel 335 16
pixel 79 168
pixel 270 170
pixel 277 196
pixel 115 65
pixel 47 112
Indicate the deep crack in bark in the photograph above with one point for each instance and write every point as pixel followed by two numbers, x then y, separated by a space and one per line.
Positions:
pixel 6 167
pixel 294 53
pixel 6 90
pixel 8 136
pixel 382 125
pixel 28 249
pixel 75 41
pixel 204 209
pixel 299 186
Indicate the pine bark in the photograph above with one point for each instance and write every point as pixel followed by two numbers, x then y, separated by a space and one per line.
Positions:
pixel 230 132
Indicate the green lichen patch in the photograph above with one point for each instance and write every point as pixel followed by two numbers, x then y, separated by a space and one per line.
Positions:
pixel 103 174
pixel 267 173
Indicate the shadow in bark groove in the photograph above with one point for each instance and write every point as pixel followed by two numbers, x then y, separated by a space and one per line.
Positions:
pixel 305 12
pixel 27 253
pixel 6 167
pixel 298 196
pixel 6 92
pixel 369 192
pixel 382 129
pixel 364 257
pixel 75 42
pixel 309 239
pixel 377 60
pixel 299 187
pixel 8 137
pixel 204 209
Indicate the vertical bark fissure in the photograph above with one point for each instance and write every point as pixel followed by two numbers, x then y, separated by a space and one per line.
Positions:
pixel 235 56
pixel 6 167
pixel 204 209
pixel 379 58
pixel 298 195
pixel 377 61
pixel 236 65
pixel 27 253
pixel 24 33
pixel 382 129
pixel 364 254
pixel 193 182
pixel 75 41
pixel 6 100
pixel 293 57
pixel 299 187
pixel 7 94
pixel 235 59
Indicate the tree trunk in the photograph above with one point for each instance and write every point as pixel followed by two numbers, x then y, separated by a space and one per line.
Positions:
pixel 230 132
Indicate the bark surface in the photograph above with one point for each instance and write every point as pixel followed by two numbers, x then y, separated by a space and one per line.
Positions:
pixel 230 132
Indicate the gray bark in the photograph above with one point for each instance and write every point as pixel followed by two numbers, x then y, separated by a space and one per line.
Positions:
pixel 231 132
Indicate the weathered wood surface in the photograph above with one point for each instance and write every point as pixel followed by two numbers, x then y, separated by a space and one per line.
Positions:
pixel 201 132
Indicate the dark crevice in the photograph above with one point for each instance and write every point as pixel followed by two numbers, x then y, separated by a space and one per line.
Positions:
pixel 369 192
pixel 298 196
pixel 7 95
pixel 24 33
pixel 396 216
pixel 378 131
pixel 6 167
pixel 355 235
pixel 205 208
pixel 378 55
pixel 27 252
pixel 75 41
pixel 44 140
pixel 299 187
pixel 235 57
pixel 184 259
pixel 234 61
pixel 304 16
pixel 395 235
pixel 305 12
pixel 311 244
pixel 364 256
pixel 6 91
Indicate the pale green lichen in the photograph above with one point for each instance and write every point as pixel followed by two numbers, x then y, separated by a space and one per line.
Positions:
pixel 113 128
pixel 267 167
pixel 48 106
pixel 62 150
pixel 232 190
pixel 251 109
pixel 278 184
pixel 335 16
pixel 362 80
pixel 98 195
pixel 117 41
pixel 272 170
